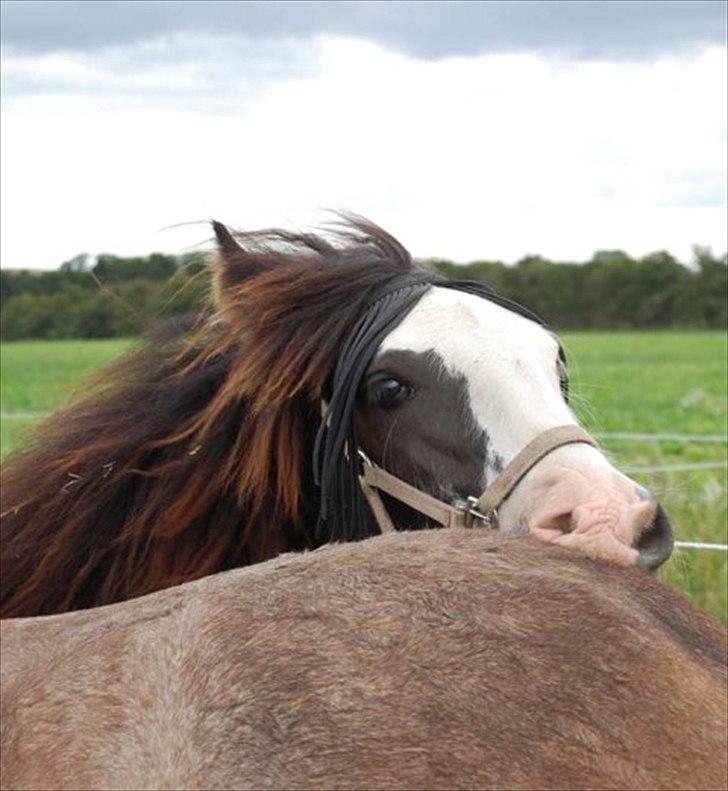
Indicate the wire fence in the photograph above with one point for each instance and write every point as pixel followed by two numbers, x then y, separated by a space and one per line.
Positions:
pixel 697 465
pixel 685 438
pixel 701 545
pixel 626 436
pixel 667 468
pixel 615 436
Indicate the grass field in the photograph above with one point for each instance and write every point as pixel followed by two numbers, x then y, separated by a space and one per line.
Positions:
pixel 671 382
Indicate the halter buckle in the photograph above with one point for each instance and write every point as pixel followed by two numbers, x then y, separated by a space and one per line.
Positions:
pixel 469 509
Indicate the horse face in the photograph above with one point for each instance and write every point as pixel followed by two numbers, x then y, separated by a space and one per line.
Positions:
pixel 459 388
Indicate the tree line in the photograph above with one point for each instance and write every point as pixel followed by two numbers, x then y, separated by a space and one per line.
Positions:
pixel 113 296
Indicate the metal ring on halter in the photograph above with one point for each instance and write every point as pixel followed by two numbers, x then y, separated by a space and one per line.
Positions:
pixel 488 520
pixel 363 456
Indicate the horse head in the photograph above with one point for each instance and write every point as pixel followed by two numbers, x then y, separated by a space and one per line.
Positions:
pixel 441 384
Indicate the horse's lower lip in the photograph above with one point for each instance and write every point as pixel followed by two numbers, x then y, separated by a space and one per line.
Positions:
pixel 598 543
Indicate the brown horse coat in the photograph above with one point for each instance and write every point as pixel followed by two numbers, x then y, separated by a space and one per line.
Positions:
pixel 438 659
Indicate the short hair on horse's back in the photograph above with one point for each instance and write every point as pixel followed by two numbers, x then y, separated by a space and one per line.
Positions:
pixel 445 659
pixel 191 454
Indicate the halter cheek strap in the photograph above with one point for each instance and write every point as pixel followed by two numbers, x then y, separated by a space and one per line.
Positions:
pixel 483 509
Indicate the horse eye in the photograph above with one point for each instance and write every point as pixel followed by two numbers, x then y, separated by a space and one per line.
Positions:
pixel 389 393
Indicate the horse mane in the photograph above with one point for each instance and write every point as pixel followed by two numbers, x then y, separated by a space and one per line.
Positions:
pixel 191 454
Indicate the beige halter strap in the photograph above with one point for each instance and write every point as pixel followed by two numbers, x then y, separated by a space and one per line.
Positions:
pixel 483 509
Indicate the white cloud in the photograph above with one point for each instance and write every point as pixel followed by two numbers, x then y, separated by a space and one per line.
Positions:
pixel 490 156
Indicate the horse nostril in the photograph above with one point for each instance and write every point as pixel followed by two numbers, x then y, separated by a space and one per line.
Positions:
pixel 656 543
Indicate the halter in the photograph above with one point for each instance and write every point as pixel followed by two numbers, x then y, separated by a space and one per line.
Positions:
pixel 482 510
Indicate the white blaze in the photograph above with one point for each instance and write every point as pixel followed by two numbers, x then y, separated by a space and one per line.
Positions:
pixel 508 361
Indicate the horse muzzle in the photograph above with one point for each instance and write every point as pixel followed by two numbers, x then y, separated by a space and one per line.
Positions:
pixel 602 513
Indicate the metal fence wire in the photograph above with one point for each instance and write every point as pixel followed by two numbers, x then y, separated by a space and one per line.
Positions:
pixel 620 436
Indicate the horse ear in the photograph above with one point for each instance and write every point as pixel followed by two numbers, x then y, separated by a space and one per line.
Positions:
pixel 226 243
pixel 235 264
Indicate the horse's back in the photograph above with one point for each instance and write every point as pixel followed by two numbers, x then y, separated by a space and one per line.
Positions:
pixel 443 659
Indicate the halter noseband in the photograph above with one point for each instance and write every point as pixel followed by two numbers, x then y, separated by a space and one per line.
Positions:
pixel 482 510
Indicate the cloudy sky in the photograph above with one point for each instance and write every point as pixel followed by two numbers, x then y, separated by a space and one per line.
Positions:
pixel 470 130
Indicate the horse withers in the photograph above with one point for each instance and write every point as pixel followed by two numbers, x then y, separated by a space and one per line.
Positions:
pixel 230 439
pixel 440 660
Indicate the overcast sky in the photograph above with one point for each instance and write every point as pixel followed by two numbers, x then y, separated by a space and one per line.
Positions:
pixel 470 130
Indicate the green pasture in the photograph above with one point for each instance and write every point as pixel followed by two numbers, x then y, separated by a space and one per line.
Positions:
pixel 637 382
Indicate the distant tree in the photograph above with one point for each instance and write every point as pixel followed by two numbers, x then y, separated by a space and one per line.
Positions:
pixel 79 263
pixel 113 268
pixel 116 295
pixel 710 295
pixel 607 257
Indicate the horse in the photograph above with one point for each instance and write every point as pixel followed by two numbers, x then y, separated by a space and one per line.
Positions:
pixel 434 659
pixel 230 438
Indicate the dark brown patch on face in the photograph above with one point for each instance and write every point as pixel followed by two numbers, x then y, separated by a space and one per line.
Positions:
pixel 431 438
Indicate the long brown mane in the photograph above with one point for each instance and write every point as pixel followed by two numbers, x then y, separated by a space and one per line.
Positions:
pixel 191 455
